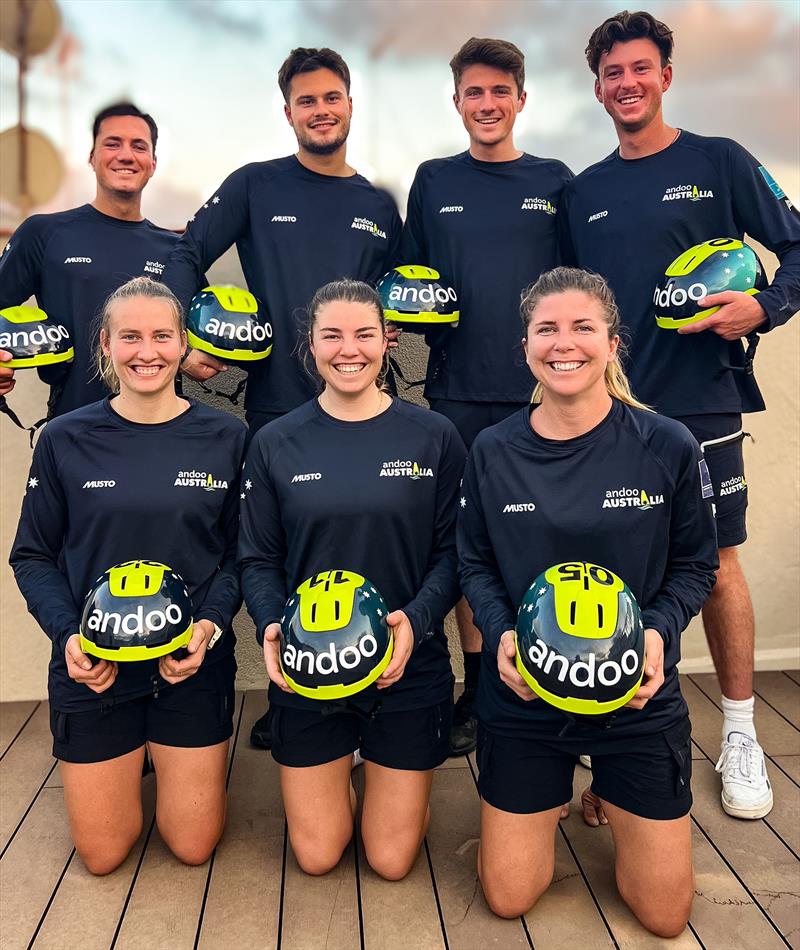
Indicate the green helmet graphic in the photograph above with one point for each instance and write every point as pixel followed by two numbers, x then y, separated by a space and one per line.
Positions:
pixel 708 268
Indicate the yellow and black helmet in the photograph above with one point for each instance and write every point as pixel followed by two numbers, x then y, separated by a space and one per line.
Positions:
pixel 335 641
pixel 138 610
pixel 229 323
pixel 33 339
pixel 707 268
pixel 580 639
pixel 420 295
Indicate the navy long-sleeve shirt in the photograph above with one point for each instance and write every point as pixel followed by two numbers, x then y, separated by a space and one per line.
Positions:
pixel 377 497
pixel 103 490
pixel 529 502
pixel 294 230
pixel 490 227
pixel 71 261
pixel 629 219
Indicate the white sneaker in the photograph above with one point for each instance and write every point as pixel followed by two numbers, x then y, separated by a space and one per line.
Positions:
pixel 746 792
pixel 585 761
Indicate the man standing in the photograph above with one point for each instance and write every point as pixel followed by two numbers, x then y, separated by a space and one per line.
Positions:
pixel 72 260
pixel 628 217
pixel 486 219
pixel 297 222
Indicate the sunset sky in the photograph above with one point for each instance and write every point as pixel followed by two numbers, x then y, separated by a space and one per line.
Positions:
pixel 206 69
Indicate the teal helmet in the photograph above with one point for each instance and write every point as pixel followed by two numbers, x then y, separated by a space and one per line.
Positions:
pixel 708 268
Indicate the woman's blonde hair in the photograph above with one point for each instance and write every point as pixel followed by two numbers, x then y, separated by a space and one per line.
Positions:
pixel 137 287
pixel 558 281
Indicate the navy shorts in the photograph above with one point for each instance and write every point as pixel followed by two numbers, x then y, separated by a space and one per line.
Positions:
pixel 470 418
pixel 414 740
pixel 721 437
pixel 648 776
pixel 188 715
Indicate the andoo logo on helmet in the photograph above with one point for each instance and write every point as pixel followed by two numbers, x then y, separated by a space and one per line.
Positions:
pixel 228 322
pixel 136 610
pixel 580 639
pixel 334 637
pixel 709 268
pixel 32 338
pixel 413 293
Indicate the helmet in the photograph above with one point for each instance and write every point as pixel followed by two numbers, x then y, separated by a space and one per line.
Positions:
pixel 32 338
pixel 229 323
pixel 136 611
pixel 334 637
pixel 580 639
pixel 415 294
pixel 708 268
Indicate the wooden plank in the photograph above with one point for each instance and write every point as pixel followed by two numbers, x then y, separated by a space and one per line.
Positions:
pixel 776 735
pixel 320 913
pixel 790 764
pixel 86 909
pixel 31 867
pixel 566 915
pixel 243 903
pixel 167 897
pixel 594 850
pixel 453 844
pixel 782 693
pixel 785 815
pixel 793 675
pixel 765 866
pixel 12 718
pixel 399 915
pixel 723 913
pixel 23 770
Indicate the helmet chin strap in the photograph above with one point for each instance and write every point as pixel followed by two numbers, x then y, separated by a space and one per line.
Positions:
pixel 32 430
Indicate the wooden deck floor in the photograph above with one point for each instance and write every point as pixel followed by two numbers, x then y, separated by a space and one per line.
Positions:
pixel 252 893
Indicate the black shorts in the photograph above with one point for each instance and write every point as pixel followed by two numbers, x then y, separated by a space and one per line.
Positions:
pixel 189 715
pixel 721 437
pixel 648 776
pixel 470 418
pixel 415 740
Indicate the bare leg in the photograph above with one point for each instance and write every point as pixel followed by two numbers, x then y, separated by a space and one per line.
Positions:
pixel 394 818
pixel 104 805
pixel 191 799
pixel 730 627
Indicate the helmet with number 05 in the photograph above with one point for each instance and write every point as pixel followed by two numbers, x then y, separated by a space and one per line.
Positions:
pixel 580 639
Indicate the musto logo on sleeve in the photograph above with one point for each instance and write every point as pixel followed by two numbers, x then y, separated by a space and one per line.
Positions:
pixel 335 640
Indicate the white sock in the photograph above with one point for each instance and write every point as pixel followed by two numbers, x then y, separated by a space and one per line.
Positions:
pixel 738 717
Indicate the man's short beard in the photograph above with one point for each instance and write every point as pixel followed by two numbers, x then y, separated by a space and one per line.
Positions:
pixel 323 149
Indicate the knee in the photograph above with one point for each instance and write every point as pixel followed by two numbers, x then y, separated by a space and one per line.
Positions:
pixel 315 855
pixel 193 847
pixel 508 898
pixel 663 917
pixel 391 863
pixel 103 857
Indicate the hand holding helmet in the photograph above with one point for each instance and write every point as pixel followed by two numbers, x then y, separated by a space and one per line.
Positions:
pixel 272 636
pixel 7 381
pixel 175 670
pixel 507 667
pixel 653 678
pixel 401 653
pixel 97 677
pixel 738 315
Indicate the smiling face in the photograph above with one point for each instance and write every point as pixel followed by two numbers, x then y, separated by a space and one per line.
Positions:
pixel 631 83
pixel 488 102
pixel 319 110
pixel 348 342
pixel 145 344
pixel 568 347
pixel 122 156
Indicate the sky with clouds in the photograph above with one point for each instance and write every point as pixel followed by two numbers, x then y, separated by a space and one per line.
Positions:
pixel 206 70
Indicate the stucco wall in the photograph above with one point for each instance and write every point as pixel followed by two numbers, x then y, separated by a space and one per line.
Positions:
pixel 771 557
